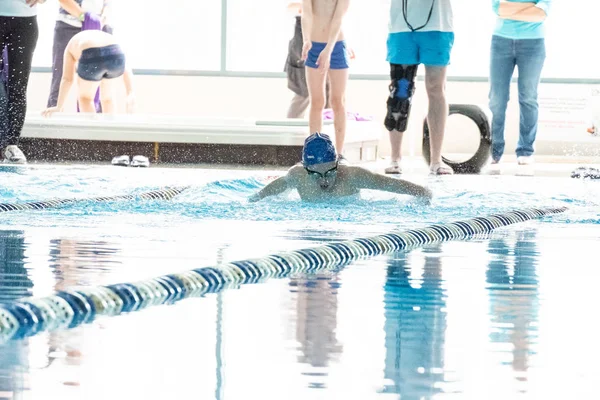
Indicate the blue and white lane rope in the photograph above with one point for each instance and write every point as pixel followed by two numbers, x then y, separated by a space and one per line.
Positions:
pixel 163 194
pixel 71 308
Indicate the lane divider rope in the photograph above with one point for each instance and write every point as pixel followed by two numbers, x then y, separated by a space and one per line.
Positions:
pixel 163 194
pixel 71 308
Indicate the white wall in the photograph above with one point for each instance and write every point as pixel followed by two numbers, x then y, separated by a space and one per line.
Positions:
pixel 563 114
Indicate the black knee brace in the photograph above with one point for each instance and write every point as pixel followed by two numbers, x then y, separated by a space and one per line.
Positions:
pixel 402 89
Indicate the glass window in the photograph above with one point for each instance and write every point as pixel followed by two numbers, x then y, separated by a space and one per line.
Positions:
pixel 253 45
pixel 187 36
pixel 473 25
pixel 366 29
pixel 179 35
pixel 571 45
pixel 258 33
pixel 566 28
pixel 46 20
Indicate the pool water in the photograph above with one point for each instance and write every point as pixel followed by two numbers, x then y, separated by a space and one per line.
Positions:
pixel 505 315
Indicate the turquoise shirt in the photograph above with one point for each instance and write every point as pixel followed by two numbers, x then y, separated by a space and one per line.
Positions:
pixel 518 29
pixel 16 8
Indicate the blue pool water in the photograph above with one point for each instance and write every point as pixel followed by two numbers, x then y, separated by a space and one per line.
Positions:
pixel 505 315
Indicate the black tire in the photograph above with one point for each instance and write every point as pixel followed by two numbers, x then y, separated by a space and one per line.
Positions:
pixel 481 156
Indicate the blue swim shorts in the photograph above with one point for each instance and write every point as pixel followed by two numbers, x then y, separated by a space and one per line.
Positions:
pixel 339 55
pixel 430 48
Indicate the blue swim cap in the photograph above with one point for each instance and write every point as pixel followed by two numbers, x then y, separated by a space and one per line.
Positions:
pixel 318 149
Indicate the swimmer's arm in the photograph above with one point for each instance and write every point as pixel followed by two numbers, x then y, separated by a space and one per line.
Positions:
pixel 307 20
pixel 336 23
pixel 366 179
pixel 276 187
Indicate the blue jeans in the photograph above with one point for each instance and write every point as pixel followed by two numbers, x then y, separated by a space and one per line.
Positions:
pixel 528 55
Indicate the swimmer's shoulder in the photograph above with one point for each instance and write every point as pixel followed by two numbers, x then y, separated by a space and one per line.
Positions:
pixel 353 170
pixel 295 173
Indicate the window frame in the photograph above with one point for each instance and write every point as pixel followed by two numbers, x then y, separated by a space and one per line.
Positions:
pixel 223 71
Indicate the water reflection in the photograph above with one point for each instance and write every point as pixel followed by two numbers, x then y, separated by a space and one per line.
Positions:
pixel 414 325
pixel 14 283
pixel 81 262
pixel 513 288
pixel 456 316
pixel 316 323
pixel 14 280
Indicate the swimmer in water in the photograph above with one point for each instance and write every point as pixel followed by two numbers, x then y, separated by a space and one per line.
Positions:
pixel 320 176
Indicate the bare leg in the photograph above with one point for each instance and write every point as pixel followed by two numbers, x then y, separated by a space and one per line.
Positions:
pixel 86 93
pixel 396 145
pixel 107 94
pixel 315 80
pixel 338 79
pixel 435 84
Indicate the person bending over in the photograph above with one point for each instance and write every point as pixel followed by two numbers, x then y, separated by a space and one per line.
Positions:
pixel 320 176
pixel 99 61
pixel 325 53
pixel 73 17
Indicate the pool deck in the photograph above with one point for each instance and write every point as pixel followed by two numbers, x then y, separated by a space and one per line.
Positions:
pixel 184 140
pixel 544 166
pixel 203 142
pixel 551 166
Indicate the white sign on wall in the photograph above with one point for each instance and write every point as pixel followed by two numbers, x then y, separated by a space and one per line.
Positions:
pixel 565 111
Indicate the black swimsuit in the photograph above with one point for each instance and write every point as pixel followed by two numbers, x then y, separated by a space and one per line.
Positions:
pixel 99 63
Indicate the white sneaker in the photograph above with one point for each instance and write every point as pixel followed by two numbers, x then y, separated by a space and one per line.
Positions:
pixel 494 167
pixel 14 155
pixel 122 161
pixel 525 160
pixel 139 161
pixel 394 168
